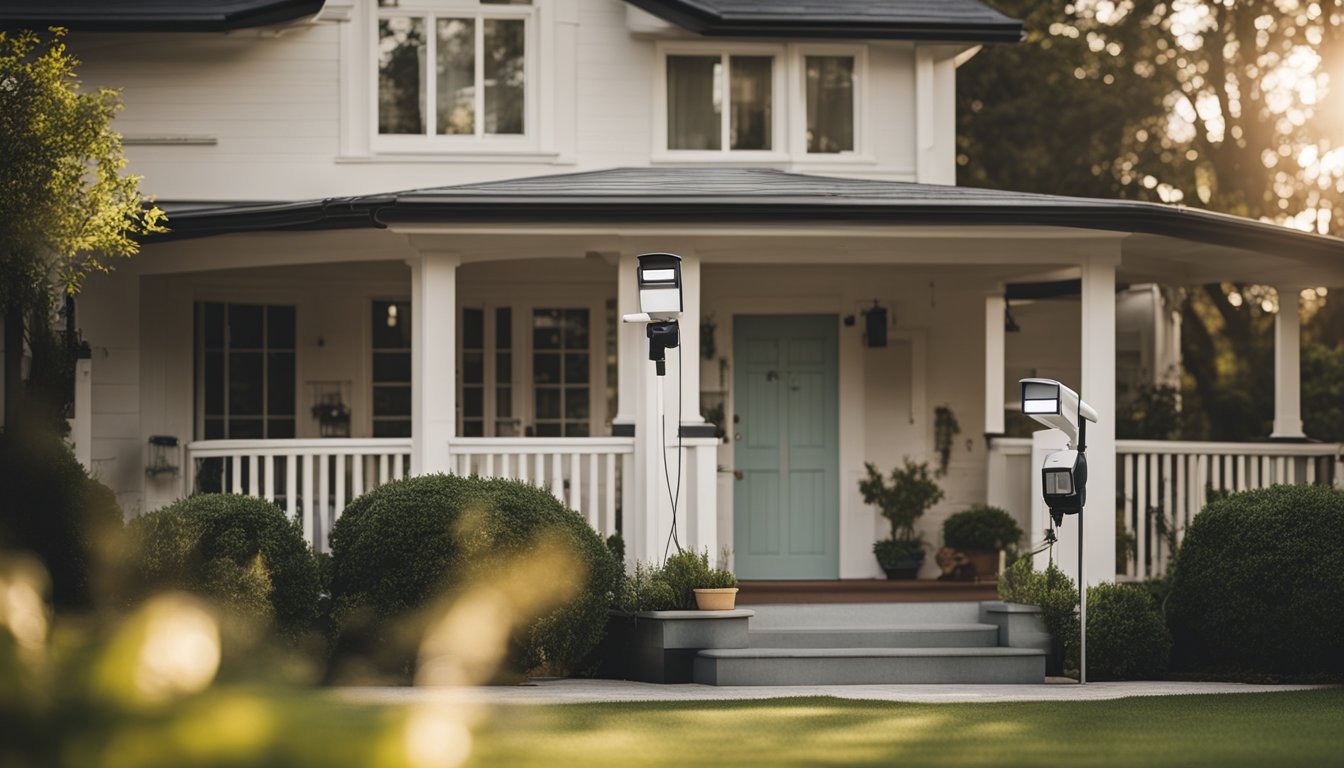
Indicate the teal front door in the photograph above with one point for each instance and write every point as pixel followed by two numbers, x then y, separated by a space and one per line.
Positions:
pixel 786 494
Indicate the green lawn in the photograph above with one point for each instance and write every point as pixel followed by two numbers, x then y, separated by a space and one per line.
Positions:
pixel 1266 729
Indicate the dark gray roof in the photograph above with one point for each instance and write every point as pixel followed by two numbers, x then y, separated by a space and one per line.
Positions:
pixel 743 195
pixel 932 20
pixel 152 15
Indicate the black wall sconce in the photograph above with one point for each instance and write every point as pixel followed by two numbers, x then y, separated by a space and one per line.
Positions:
pixel 876 319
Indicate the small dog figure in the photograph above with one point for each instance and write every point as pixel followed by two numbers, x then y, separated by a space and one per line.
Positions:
pixel 955 565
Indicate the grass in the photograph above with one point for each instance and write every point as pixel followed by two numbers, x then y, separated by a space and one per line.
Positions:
pixel 1288 728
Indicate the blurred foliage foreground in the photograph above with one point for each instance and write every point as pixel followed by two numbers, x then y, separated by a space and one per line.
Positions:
pixel 139 689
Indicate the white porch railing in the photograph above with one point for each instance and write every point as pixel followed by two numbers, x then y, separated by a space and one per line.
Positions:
pixel 312 480
pixel 1164 484
pixel 585 473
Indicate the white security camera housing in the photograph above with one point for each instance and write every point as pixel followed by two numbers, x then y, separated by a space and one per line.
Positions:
pixel 1064 482
pixel 1056 406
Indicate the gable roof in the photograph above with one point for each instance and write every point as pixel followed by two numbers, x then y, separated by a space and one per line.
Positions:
pixel 741 195
pixel 153 15
pixel 968 21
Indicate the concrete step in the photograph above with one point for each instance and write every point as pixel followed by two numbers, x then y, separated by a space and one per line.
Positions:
pixel 858 615
pixel 911 636
pixel 868 666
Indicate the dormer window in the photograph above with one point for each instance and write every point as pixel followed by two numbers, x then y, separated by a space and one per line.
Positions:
pixel 829 83
pixel 449 71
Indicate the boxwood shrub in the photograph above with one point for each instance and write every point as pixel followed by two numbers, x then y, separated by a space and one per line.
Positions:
pixel 983 528
pixel 401 545
pixel 1127 637
pixel 53 509
pixel 1259 587
pixel 240 551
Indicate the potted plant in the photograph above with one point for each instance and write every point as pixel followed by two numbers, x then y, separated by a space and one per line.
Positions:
pixel 696 585
pixel 980 533
pixel 902 501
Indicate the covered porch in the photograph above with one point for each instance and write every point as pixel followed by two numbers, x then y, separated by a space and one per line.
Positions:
pixel 505 357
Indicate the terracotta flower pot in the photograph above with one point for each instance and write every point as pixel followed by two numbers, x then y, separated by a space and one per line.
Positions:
pixel 716 599
pixel 986 562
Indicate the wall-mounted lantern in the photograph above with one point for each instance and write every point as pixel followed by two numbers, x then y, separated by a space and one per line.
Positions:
pixel 875 318
pixel 164 457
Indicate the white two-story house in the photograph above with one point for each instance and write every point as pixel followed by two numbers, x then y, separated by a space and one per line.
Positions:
pixel 403 232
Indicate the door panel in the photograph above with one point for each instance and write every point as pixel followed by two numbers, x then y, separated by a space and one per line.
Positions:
pixel 786 502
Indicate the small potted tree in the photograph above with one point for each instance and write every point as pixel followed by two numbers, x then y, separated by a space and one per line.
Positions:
pixel 980 533
pixel 908 496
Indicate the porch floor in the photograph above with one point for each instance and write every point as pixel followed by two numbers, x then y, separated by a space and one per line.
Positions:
pixel 863 591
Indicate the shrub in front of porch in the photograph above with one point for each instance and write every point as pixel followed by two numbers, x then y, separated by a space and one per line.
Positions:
pixel 399 548
pixel 1259 587
pixel 56 511
pixel 1127 637
pixel 239 551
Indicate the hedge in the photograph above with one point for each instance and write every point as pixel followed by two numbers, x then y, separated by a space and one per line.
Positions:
pixel 240 551
pixel 1259 586
pixel 56 511
pixel 1127 637
pixel 398 547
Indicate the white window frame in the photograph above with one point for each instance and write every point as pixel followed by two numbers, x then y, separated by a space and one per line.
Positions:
pixel 798 102
pixel 429 11
pixel 779 128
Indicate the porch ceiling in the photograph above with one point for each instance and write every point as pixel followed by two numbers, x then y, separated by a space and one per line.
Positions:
pixel 1158 242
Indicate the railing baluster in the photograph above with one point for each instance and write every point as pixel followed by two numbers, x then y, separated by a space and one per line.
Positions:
pixel 575 486
pixel 398 468
pixel 237 464
pixel 340 459
pixel 382 469
pixel 593 508
pixel 1141 529
pixel 291 486
pixel 557 478
pixel 323 500
pixel 358 466
pixel 269 468
pixel 1127 497
pixel 609 501
pixel 539 469
pixel 522 467
pixel 308 504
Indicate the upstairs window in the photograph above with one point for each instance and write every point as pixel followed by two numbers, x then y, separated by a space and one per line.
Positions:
pixel 829 81
pixel 720 102
pixel 453 68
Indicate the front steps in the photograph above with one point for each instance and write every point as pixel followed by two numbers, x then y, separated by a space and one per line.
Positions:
pixel 858 644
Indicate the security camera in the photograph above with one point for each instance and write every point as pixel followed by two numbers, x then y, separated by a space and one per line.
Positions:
pixel 1056 406
pixel 1064 483
pixel 660 302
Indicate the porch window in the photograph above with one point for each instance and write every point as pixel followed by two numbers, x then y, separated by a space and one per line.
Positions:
pixel 453 68
pixel 829 81
pixel 561 368
pixel 506 424
pixel 717 102
pixel 391 342
pixel 245 370
pixel 472 392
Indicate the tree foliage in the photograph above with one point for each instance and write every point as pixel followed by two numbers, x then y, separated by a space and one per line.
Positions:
pixel 1230 105
pixel 66 208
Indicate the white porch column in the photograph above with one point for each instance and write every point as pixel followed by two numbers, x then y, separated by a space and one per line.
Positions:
pixel 688 357
pixel 433 360
pixel 1098 389
pixel 1288 368
pixel 630 350
pixel 994 364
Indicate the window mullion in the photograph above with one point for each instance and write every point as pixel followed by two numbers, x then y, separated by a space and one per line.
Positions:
pixel 431 75
pixel 725 116
pixel 478 73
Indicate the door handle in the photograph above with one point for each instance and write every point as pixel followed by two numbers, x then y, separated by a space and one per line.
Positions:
pixel 738 474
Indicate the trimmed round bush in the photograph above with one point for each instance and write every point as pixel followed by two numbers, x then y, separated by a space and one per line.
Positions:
pixel 399 546
pixel 1259 586
pixel 1127 637
pixel 56 511
pixel 981 527
pixel 240 551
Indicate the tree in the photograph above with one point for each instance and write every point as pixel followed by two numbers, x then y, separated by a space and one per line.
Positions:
pixel 66 209
pixel 1220 104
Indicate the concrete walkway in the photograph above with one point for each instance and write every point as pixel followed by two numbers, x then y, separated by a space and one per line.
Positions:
pixel 588 691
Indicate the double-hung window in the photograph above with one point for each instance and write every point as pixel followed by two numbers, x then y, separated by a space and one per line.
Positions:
pixel 721 102
pixel 454 72
pixel 829 97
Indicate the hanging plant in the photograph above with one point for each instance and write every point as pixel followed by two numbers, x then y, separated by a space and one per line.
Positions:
pixel 945 430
